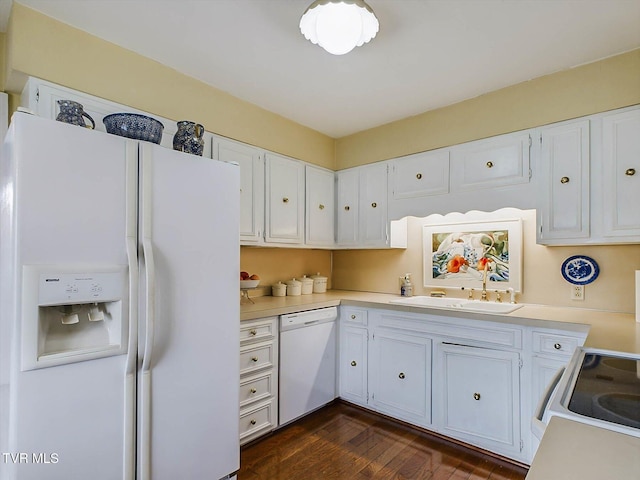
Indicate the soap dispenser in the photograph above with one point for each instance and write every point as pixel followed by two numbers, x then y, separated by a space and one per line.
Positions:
pixel 406 289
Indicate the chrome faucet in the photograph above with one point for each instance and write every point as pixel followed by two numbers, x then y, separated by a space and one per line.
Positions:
pixel 483 296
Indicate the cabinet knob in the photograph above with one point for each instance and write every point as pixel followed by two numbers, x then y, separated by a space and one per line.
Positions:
pixel 285 200
pixel 252 391
pixel 374 204
pixel 630 172
pixel 557 346
pixel 419 176
pixel 353 363
pixel 347 208
pixel 253 332
pixel 254 359
pixel 252 422
pixel 353 316
pixel 476 396
pixel 564 180
pixel 321 207
pixel 489 164
pixel 401 376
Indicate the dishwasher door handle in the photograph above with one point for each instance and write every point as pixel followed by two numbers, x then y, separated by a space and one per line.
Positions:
pixel 312 322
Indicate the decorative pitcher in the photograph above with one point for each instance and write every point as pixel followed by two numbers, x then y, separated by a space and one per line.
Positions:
pixel 72 112
pixel 188 138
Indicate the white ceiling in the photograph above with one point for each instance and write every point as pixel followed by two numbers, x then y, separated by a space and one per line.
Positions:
pixel 428 53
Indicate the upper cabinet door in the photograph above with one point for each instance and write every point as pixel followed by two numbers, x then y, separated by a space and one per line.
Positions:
pixel 420 175
pixel 564 183
pixel 347 211
pixel 285 200
pixel 320 206
pixel 489 163
pixel 621 174
pixel 373 205
pixel 251 185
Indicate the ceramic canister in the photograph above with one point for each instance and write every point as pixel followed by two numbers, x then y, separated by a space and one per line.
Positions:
pixel 307 285
pixel 279 289
pixel 319 283
pixel 294 287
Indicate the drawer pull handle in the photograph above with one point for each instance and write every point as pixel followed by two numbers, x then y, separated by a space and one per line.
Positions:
pixel 353 363
pixel 419 176
pixel 347 208
pixel 353 317
pixel 476 396
pixel 630 172
pixel 564 180
pixel 252 391
pixel 401 376
pixel 252 422
pixel 285 200
pixel 321 207
pixel 557 346
pixel 254 359
pixel 253 333
pixel 374 204
pixel 489 164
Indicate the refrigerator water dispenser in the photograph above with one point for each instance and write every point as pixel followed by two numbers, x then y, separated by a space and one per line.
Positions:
pixel 71 314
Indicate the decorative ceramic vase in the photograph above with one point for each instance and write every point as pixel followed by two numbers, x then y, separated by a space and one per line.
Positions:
pixel 72 112
pixel 188 138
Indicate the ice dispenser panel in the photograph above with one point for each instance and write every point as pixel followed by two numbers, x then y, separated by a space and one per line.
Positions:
pixel 72 314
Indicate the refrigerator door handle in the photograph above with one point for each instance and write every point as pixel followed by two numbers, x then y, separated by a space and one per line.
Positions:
pixel 145 371
pixel 131 231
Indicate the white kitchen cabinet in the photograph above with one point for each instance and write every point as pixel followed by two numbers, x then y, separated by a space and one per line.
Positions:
pixel 419 175
pixel 400 375
pixel 347 207
pixel 373 226
pixel 284 200
pixel 563 211
pixel 353 355
pixel 319 206
pixel 258 378
pixel 491 162
pixel 480 396
pixel 621 174
pixel 251 164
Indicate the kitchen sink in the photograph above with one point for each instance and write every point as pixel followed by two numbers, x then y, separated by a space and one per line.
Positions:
pixel 457 304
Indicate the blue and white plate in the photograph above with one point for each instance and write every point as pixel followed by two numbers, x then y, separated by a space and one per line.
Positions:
pixel 580 270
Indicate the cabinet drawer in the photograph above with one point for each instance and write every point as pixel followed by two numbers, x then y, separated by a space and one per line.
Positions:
pixel 253 389
pixel 354 316
pixel 257 420
pixel 257 331
pixel 555 343
pixel 256 357
pixel 494 162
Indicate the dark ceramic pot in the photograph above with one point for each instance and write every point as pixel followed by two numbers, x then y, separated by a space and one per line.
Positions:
pixel 188 138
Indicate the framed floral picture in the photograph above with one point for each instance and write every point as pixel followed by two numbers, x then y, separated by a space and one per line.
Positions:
pixel 461 254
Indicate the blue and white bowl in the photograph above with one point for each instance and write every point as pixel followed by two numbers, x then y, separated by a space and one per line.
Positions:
pixel 135 126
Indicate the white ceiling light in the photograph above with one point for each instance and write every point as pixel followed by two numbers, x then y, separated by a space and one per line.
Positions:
pixel 339 26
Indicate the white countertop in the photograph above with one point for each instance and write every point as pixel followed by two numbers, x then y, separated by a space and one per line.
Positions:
pixel 577 451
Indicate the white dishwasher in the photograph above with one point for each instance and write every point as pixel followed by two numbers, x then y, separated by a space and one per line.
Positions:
pixel 307 362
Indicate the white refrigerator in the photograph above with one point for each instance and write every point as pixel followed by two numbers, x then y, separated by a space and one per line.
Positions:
pixel 119 304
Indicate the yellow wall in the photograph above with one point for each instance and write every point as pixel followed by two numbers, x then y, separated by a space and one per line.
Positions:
pixel 596 87
pixel 379 270
pixel 42 47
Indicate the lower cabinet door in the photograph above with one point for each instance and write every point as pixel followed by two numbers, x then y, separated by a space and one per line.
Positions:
pixel 353 364
pixel 400 376
pixel 481 396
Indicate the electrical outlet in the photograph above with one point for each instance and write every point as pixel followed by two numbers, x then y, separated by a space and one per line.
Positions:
pixel 577 292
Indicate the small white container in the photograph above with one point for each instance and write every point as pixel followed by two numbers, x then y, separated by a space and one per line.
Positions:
pixel 319 283
pixel 307 285
pixel 279 289
pixel 294 287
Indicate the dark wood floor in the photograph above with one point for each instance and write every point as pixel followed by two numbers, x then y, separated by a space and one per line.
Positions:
pixel 346 443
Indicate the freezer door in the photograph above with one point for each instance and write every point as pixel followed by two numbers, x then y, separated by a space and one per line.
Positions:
pixel 189 320
pixel 68 207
